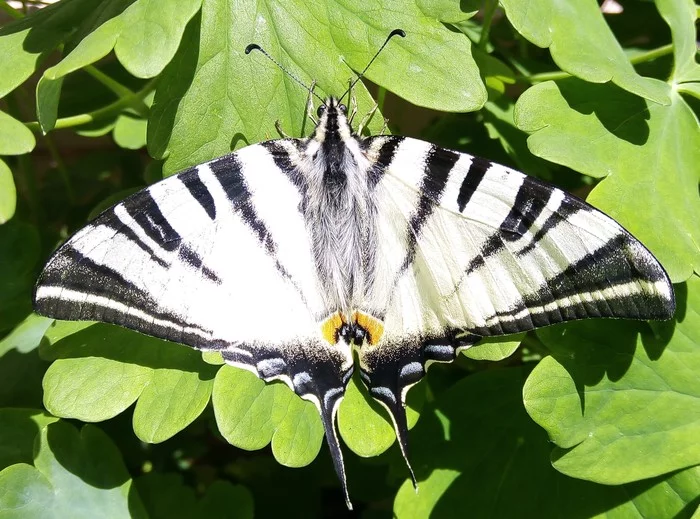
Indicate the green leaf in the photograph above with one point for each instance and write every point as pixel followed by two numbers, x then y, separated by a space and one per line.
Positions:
pixel 144 37
pixel 130 132
pixel 479 447
pixel 364 424
pixel 495 73
pixel 18 429
pixel 75 474
pixel 27 335
pixel 165 495
pixel 621 405
pixel 59 330
pixel 48 93
pixel 25 43
pixel 8 193
pixel 213 97
pixel 101 370
pixel 681 16
pixel 15 137
pixel 250 414
pixel 499 122
pixel 581 43
pixel 495 349
pixel 449 11
pixel 648 153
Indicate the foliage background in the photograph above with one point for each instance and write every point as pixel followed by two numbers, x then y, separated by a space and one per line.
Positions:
pixel 590 419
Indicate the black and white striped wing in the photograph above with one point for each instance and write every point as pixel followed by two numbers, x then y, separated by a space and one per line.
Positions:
pixel 471 249
pixel 216 257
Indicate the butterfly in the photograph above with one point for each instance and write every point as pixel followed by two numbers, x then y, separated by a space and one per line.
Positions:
pixel 291 256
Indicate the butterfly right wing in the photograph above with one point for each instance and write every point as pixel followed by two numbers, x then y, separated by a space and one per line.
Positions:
pixel 217 257
pixel 469 249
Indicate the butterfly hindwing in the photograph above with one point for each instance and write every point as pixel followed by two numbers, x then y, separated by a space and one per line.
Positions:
pixel 472 249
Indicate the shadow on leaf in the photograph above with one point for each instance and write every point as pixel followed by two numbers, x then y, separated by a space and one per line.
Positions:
pixel 122 345
pixel 623 114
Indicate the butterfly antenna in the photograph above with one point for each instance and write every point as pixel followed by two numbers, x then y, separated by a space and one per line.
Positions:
pixel 395 32
pixel 254 46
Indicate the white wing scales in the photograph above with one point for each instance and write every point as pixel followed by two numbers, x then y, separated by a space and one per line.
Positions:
pixel 498 252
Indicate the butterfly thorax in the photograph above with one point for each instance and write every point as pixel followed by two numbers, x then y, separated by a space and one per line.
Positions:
pixel 339 209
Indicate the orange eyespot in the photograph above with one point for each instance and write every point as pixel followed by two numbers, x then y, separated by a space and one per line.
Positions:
pixel 373 326
pixel 330 328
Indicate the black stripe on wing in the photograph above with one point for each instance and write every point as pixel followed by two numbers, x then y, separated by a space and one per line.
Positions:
pixel 385 156
pixel 228 173
pixel 438 165
pixel 144 209
pixel 109 219
pixel 530 201
pixel 194 260
pixel 475 174
pixel 621 263
pixel 200 192
pixel 109 295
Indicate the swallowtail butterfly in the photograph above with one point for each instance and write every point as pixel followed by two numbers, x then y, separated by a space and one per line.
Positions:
pixel 289 255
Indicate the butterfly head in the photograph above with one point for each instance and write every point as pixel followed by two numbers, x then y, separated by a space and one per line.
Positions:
pixel 333 126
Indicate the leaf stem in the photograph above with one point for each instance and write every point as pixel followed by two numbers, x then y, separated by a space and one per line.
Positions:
pixel 635 60
pixel 652 54
pixel 105 112
pixel 107 81
pixel 490 7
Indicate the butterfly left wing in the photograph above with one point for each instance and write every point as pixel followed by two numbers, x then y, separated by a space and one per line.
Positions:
pixel 470 249
pixel 217 257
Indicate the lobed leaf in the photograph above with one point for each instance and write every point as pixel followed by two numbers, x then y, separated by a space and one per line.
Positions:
pixel 75 474
pixel 101 370
pixel 620 403
pixel 240 96
pixel 25 43
pixel 250 414
pixel 478 446
pixel 144 36
pixel 581 43
pixel 646 151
